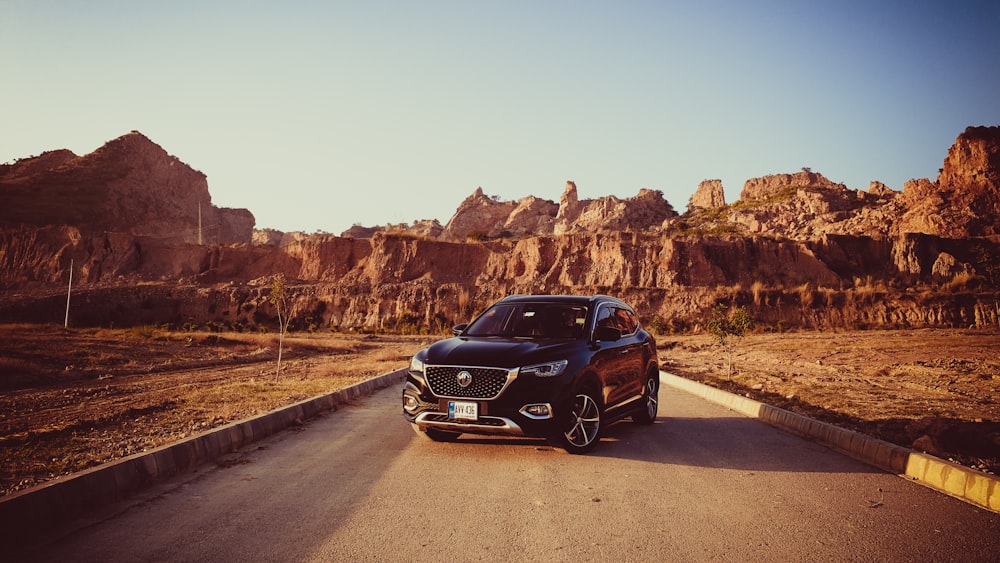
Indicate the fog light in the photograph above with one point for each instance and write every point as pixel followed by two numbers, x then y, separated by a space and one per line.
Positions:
pixel 410 403
pixel 539 411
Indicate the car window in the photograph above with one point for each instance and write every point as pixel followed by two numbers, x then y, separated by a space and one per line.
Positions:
pixel 491 323
pixel 606 316
pixel 617 317
pixel 531 320
pixel 561 321
pixel 627 321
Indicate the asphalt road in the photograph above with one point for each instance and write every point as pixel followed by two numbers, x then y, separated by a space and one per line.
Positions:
pixel 701 484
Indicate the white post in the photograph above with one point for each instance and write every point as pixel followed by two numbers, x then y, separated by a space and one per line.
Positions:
pixel 69 291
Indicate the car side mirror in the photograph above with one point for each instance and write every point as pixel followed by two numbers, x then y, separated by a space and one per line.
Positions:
pixel 459 329
pixel 607 334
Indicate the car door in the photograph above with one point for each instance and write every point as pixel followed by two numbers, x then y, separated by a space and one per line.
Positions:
pixel 607 360
pixel 618 361
pixel 630 353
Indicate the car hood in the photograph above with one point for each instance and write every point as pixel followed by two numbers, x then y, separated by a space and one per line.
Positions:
pixel 499 352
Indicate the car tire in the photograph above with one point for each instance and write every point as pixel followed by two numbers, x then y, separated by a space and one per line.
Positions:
pixel 435 435
pixel 650 399
pixel 581 428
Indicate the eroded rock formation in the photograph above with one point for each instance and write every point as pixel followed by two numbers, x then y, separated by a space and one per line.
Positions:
pixel 128 186
pixel 797 248
pixel 709 195
pixel 965 199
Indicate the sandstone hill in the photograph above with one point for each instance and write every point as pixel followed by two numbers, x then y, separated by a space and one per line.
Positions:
pixel 129 186
pixel 796 248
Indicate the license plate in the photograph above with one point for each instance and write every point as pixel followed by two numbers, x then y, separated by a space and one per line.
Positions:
pixel 463 410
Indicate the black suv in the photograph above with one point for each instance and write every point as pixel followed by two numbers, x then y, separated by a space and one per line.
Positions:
pixel 550 366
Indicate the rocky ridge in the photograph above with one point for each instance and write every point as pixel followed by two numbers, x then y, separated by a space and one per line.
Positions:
pixel 797 248
pixel 129 186
pixel 483 217
pixel 963 202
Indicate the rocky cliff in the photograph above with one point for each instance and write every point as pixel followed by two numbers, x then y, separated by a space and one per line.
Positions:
pixel 128 186
pixel 798 249
pixel 832 282
pixel 965 199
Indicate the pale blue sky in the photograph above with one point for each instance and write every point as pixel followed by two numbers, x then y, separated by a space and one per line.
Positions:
pixel 320 115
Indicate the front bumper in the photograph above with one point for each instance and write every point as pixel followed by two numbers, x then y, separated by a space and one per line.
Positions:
pixel 497 425
pixel 506 415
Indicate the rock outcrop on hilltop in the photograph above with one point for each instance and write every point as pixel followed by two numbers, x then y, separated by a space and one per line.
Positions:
pixel 644 211
pixel 709 195
pixel 766 187
pixel 479 216
pixel 965 199
pixel 482 217
pixel 129 186
pixel 963 202
pixel 800 206
pixel 798 249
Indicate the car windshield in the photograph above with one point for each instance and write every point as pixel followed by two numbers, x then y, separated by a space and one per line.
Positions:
pixel 531 320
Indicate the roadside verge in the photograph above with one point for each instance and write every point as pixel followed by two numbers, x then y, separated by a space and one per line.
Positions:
pixel 974 487
pixel 34 511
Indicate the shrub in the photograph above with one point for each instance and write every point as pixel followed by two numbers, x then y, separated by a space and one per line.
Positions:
pixel 729 327
pixel 657 325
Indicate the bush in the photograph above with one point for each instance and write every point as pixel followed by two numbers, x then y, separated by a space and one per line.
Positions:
pixel 729 327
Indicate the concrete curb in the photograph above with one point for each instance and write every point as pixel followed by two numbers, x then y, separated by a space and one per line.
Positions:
pixel 36 510
pixel 976 488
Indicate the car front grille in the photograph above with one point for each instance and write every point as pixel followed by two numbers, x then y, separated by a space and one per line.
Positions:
pixel 487 383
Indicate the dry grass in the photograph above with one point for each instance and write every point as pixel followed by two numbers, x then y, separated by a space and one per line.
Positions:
pixel 77 398
pixel 960 282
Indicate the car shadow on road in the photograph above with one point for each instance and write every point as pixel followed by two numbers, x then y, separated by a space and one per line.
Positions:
pixel 722 442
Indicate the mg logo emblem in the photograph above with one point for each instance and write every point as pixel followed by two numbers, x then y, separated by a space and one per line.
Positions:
pixel 464 379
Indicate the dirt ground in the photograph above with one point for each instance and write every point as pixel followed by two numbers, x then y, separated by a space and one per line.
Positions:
pixel 77 398
pixel 73 399
pixel 934 390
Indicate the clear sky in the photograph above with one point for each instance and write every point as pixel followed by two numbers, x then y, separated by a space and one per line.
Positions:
pixel 319 115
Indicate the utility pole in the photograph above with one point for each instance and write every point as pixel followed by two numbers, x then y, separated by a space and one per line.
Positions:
pixel 69 291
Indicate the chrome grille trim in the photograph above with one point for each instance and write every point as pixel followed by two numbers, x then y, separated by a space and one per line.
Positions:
pixel 487 382
pixel 485 424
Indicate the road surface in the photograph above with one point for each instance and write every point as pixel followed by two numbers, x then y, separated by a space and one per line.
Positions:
pixel 700 484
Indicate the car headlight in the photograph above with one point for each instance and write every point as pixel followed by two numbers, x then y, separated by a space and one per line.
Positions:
pixel 549 369
pixel 416 365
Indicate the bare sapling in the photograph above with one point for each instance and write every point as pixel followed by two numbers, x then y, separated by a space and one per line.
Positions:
pixel 280 299
pixel 728 327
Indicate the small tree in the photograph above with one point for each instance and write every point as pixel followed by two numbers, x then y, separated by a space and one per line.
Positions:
pixel 729 327
pixel 280 299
